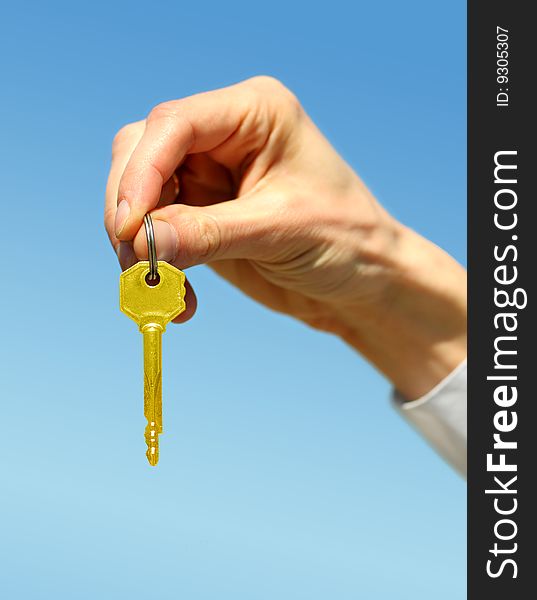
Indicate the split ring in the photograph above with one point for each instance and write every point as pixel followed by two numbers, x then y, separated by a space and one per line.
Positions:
pixel 151 247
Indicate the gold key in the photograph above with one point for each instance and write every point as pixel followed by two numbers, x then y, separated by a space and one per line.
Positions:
pixel 152 304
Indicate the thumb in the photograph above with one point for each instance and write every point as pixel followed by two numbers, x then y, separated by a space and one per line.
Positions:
pixel 191 235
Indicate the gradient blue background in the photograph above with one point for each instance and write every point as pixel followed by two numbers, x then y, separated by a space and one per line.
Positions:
pixel 285 472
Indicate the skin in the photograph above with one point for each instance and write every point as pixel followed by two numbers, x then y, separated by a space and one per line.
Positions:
pixel 268 204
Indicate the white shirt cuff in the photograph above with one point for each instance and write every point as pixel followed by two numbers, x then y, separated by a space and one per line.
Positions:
pixel 440 416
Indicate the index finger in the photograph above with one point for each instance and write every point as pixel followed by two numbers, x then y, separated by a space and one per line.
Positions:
pixel 174 129
pixel 124 144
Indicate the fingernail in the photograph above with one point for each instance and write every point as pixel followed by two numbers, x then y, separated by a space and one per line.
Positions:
pixel 166 240
pixel 125 255
pixel 122 215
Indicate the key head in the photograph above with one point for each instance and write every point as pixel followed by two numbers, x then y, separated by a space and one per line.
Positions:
pixel 152 304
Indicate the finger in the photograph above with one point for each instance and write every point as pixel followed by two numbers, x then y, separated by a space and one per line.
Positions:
pixel 126 256
pixel 244 228
pixel 246 276
pixel 200 123
pixel 243 275
pixel 123 146
pixel 191 303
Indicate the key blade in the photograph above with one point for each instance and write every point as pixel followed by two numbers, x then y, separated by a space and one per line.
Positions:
pixel 152 390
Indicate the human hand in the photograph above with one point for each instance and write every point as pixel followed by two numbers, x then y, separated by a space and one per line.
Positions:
pixel 268 203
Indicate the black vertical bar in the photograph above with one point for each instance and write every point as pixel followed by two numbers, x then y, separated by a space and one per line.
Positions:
pixel 502 551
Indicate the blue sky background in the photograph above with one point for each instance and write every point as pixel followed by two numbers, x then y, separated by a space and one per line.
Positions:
pixel 284 471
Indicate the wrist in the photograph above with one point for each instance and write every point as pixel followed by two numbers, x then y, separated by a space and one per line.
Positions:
pixel 415 331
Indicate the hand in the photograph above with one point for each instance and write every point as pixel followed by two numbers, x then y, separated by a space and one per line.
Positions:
pixel 269 205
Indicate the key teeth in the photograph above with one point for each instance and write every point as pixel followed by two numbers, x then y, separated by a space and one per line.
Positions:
pixel 151 440
pixel 153 413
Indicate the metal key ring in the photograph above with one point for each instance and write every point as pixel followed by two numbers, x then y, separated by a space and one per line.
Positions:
pixel 151 247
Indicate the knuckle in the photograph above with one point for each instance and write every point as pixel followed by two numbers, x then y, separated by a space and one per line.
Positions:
pixel 125 134
pixel 267 82
pixel 268 85
pixel 164 110
pixel 199 236
pixel 209 236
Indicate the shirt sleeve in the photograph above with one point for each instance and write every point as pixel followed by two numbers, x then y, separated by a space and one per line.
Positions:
pixel 440 417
